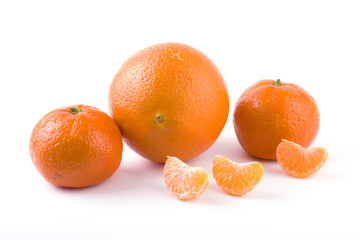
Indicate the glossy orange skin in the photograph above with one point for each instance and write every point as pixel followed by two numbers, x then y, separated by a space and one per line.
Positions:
pixel 76 150
pixel 182 87
pixel 265 114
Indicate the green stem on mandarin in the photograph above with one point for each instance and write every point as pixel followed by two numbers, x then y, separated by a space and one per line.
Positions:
pixel 278 83
pixel 75 110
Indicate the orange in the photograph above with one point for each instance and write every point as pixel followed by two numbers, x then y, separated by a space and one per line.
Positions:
pixel 76 146
pixel 298 161
pixel 183 181
pixel 234 178
pixel 269 111
pixel 169 100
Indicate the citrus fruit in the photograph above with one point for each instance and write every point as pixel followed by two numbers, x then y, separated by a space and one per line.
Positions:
pixel 234 178
pixel 298 161
pixel 183 181
pixel 269 111
pixel 169 100
pixel 76 146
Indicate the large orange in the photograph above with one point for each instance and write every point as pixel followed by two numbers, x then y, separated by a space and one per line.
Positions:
pixel 270 111
pixel 169 100
pixel 76 146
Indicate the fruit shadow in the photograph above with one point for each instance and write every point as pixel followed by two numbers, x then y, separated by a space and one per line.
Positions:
pixel 137 173
pixel 231 148
pixel 133 174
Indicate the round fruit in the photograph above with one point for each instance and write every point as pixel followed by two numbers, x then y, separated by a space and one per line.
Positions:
pixel 270 111
pixel 169 100
pixel 76 146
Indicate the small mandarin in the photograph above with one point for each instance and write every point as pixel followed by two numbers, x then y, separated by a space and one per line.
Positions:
pixel 269 111
pixel 76 146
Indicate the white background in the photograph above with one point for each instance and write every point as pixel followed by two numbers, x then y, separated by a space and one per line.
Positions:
pixel 64 53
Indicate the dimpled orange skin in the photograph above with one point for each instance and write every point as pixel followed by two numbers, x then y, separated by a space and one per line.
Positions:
pixel 265 114
pixel 169 100
pixel 76 150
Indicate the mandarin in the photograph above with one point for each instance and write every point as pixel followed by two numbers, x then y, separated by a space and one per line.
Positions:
pixel 76 146
pixel 270 111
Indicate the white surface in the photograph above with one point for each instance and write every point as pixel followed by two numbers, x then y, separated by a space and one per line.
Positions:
pixel 59 54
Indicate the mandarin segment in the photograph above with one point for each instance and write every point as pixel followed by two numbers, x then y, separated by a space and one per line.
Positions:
pixel 236 179
pixel 298 161
pixel 183 181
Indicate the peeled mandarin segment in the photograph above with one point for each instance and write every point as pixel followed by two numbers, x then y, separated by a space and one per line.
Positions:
pixel 298 161
pixel 183 181
pixel 236 179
